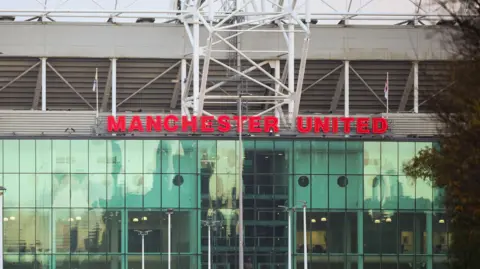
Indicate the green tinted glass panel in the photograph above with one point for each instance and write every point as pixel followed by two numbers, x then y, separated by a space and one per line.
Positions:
pixel 354 154
pixel 116 188
pixel 170 191
pixel 389 192
pixel 406 152
pixel 61 190
pixel 134 189
pixel 27 156
pixel 134 156
pixel 27 190
pixel 152 190
pixel 371 159
pixel 79 159
pixel 171 152
pixel 188 191
pixel 79 190
pixel 151 156
pixel 43 190
pixel 12 183
pixel 61 156
pixel 354 191
pixel 337 192
pixel 302 153
pixel 337 158
pixel 319 157
pixel 188 156
pixel 11 156
pixel 283 157
pixel 97 185
pixel 115 156
pixel 97 156
pixel 43 149
pixel 371 191
pixel 302 185
pixel 406 192
pixel 389 157
pixel 320 195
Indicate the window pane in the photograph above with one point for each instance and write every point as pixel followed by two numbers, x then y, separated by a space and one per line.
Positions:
pixel 61 190
pixel 389 158
pixel 389 192
pixel 61 231
pixel 11 156
pixel 43 156
pixel 170 192
pixel 302 157
pixel 406 192
pixel 319 157
pixel 115 156
pixel 134 190
pixel 188 191
pixel 371 151
pixel 116 190
pixel 61 156
pixel 97 156
pixel 188 160
pixel 371 237
pixel 11 231
pixel 171 153
pixel 43 230
pixel 355 158
pixel 354 189
pixel 337 158
pixel 12 184
pixel 152 190
pixel 283 157
pixel 97 186
pixel 302 185
pixel 27 156
pixel 27 228
pixel 79 160
pixel 44 190
pixel 134 156
pixel 207 152
pixel 107 228
pixel 371 191
pixel 27 190
pixel 406 152
pixel 151 156
pixel 336 190
pixel 320 194
pixel 79 190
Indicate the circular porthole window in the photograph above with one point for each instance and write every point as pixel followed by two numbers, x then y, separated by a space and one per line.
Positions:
pixel 342 181
pixel 178 180
pixel 303 181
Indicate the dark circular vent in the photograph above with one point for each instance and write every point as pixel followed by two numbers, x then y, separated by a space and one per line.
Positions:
pixel 376 181
pixel 303 181
pixel 342 181
pixel 178 180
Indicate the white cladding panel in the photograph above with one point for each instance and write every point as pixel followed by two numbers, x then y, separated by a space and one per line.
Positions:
pixel 169 41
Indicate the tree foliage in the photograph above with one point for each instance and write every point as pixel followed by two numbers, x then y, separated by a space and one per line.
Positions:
pixel 455 164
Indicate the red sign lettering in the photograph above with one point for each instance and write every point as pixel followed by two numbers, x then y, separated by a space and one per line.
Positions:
pixel 251 124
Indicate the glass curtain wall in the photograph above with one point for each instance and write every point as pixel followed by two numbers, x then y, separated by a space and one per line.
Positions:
pixel 83 204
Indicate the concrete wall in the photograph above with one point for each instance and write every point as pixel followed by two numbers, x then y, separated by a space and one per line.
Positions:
pixel 170 41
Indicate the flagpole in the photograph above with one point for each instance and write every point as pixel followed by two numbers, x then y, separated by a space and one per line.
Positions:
pixel 96 93
pixel 387 93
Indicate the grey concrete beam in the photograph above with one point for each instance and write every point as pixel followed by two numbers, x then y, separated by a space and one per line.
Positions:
pixel 169 41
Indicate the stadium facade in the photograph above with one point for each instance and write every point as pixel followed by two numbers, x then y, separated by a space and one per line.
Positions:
pixel 81 185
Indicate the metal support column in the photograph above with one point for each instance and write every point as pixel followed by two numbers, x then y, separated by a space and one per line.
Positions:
pixel 346 94
pixel 415 87
pixel 291 70
pixel 196 63
pixel 44 84
pixel 114 87
pixel 183 84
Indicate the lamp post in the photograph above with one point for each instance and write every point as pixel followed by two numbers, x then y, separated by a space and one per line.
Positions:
pixel 209 223
pixel 169 213
pixel 143 234
pixel 289 210
pixel 2 190
pixel 305 261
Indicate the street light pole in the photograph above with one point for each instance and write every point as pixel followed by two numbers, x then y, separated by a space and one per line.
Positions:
pixel 143 234
pixel 169 213
pixel 305 261
pixel 240 198
pixel 2 190
pixel 209 224
pixel 287 209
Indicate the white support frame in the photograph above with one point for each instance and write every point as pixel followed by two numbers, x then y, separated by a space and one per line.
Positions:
pixel 215 22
